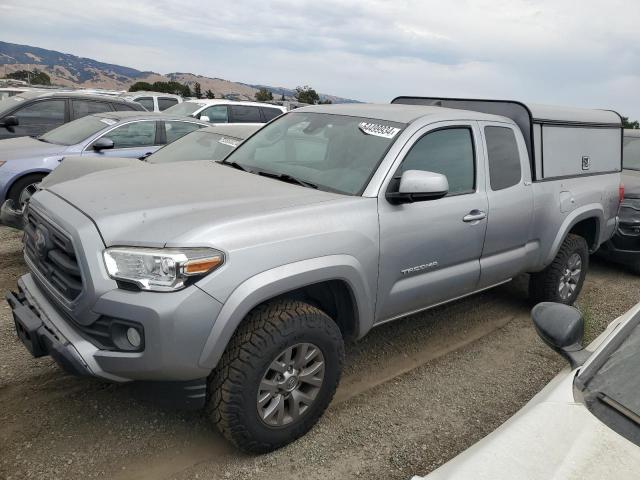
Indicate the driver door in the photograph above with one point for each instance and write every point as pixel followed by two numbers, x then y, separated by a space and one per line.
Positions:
pixel 430 250
pixel 131 140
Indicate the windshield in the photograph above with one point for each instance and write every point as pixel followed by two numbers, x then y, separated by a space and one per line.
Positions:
pixel 75 132
pixel 9 103
pixel 197 145
pixel 334 152
pixel 184 108
pixel 611 383
pixel 631 153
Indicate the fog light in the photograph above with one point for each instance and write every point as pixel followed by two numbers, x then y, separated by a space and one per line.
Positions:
pixel 134 337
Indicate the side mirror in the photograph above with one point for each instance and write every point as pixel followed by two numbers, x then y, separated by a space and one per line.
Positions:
pixel 10 122
pixel 204 118
pixel 418 186
pixel 562 328
pixel 103 143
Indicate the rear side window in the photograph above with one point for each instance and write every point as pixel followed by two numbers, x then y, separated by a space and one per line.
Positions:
pixel 82 108
pixel 46 112
pixel 146 102
pixel 244 114
pixel 175 130
pixel 504 159
pixel 166 102
pixel 270 113
pixel 448 152
pixel 130 135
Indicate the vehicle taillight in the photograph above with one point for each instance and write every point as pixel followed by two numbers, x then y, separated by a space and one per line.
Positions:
pixel 621 192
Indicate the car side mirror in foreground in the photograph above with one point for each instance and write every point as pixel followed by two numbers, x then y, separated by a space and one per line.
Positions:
pixel 562 328
pixel 418 186
pixel 9 123
pixel 103 143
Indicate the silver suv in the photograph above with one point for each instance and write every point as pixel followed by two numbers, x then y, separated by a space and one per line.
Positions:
pixel 238 282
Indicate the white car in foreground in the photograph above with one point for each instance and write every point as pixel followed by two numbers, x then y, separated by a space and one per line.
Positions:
pixel 585 424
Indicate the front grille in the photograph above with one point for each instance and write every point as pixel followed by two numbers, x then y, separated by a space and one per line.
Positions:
pixel 51 252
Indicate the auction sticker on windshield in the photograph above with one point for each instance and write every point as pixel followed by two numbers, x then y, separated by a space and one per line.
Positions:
pixel 379 130
pixel 232 142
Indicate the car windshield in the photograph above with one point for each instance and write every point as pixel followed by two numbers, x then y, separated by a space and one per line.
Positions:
pixel 9 103
pixel 611 384
pixel 333 152
pixel 184 108
pixel 631 153
pixel 75 132
pixel 197 145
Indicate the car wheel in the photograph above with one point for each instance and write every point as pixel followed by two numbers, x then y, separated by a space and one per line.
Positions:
pixel 562 281
pixel 23 188
pixel 277 376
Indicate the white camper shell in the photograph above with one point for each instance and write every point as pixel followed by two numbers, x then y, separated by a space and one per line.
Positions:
pixel 562 142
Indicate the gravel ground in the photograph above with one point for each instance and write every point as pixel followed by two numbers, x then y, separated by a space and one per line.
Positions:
pixel 414 394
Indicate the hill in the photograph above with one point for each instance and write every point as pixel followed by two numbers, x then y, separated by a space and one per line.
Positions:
pixel 72 71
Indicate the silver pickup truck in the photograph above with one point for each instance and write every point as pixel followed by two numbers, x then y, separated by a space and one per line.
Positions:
pixel 237 282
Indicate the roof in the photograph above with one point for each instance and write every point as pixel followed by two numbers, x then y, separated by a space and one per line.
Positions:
pixel 140 115
pixel 393 112
pixel 68 93
pixel 224 101
pixel 572 114
pixel 628 132
pixel 145 93
pixel 236 130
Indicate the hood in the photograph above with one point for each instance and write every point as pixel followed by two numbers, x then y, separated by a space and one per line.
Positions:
pixel 27 147
pixel 74 167
pixel 555 439
pixel 631 182
pixel 153 205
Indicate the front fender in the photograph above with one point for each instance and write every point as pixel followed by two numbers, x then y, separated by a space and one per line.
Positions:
pixel 279 280
pixel 593 210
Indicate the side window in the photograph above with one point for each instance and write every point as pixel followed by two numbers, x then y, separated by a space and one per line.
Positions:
pixel 46 112
pixel 449 152
pixel 166 102
pixel 123 107
pixel 138 134
pixel 270 113
pixel 82 108
pixel 504 158
pixel 175 130
pixel 245 114
pixel 146 102
pixel 216 114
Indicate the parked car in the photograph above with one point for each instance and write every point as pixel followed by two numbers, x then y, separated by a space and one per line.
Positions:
pixel 209 143
pixel 584 424
pixel 34 113
pixel 236 283
pixel 624 247
pixel 228 111
pixel 6 92
pixel 116 134
pixel 153 101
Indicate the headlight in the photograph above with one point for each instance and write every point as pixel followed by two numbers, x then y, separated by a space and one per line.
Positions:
pixel 160 269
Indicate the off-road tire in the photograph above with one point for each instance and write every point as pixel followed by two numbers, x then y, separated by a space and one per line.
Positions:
pixel 233 385
pixel 19 185
pixel 544 285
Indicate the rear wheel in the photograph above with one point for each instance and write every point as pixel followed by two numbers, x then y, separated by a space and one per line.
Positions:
pixel 562 281
pixel 23 188
pixel 277 376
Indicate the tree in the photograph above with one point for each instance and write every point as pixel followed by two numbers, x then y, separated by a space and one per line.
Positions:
pixel 197 90
pixel 140 86
pixel 326 101
pixel 263 95
pixel 35 77
pixel 626 123
pixel 209 94
pixel 307 94
pixel 282 99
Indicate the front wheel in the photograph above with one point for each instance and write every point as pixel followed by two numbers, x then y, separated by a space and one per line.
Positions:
pixel 562 281
pixel 277 376
pixel 23 188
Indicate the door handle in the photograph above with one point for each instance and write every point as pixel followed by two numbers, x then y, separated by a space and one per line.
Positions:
pixel 474 216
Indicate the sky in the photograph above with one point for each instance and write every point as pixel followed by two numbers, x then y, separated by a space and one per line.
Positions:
pixel 577 53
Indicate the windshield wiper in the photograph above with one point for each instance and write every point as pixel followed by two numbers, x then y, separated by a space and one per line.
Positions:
pixel 235 165
pixel 285 177
pixel 618 407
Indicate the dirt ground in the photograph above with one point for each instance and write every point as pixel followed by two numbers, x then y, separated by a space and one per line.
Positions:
pixel 414 394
